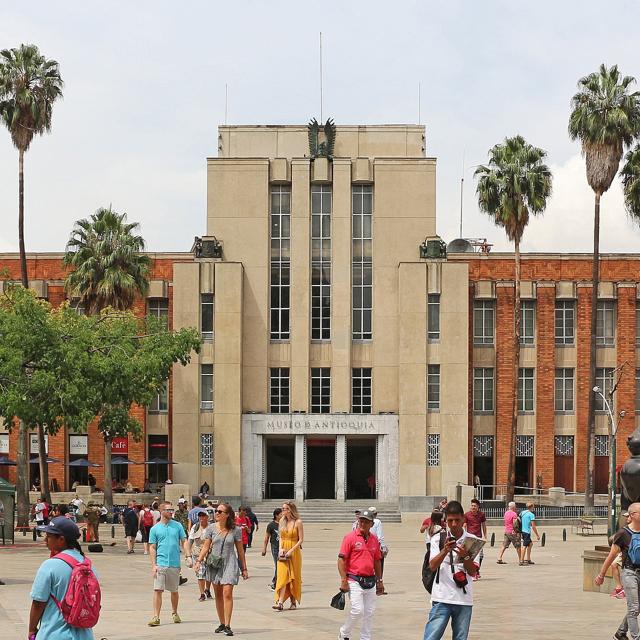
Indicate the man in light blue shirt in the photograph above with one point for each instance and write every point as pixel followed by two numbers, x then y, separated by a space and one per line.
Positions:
pixel 167 541
pixel 52 579
pixel 528 524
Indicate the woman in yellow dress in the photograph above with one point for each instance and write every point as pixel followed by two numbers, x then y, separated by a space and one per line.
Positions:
pixel 289 580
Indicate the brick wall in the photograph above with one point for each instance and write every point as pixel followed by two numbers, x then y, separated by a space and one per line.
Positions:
pixel 625 397
pixel 545 383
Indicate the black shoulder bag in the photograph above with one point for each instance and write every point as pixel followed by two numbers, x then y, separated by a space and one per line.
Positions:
pixel 428 576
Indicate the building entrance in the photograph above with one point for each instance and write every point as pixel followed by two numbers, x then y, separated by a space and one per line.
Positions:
pixel 280 468
pixel 524 474
pixel 361 469
pixel 320 468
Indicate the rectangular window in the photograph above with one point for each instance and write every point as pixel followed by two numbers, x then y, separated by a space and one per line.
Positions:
pixel 160 403
pixel 77 306
pixel 433 387
pixel 605 323
pixel 565 322
pixel 206 449
pixel 158 447
pixel 527 322
pixel 483 322
pixel 280 262
pixel 321 390
pixel 279 390
pixel 206 316
pixel 362 261
pixel 321 199
pixel 158 308
pixel 206 387
pixel 637 390
pixel 361 390
pixel 433 450
pixel 604 381
pixel 564 390
pixel 525 390
pixel 483 390
pixel 433 317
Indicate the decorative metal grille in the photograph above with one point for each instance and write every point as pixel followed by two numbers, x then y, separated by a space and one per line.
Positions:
pixel 433 449
pixel 563 445
pixel 524 446
pixel 206 449
pixel 602 446
pixel 483 446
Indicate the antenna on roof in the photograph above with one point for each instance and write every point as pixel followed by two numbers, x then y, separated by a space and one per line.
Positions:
pixel 461 192
pixel 226 101
pixel 321 97
pixel 419 102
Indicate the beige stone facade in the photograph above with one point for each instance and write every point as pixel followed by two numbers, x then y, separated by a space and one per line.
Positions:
pixel 389 165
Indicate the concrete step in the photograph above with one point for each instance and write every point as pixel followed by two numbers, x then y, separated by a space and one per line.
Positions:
pixel 328 510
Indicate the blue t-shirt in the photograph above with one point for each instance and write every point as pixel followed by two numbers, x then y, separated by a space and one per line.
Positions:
pixel 53 579
pixel 167 539
pixel 527 518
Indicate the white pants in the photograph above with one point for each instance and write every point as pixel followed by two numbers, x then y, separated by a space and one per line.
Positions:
pixel 363 604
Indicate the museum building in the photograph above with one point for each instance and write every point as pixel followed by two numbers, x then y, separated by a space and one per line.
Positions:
pixel 347 354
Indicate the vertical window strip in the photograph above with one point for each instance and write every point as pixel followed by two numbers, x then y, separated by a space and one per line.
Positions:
pixel 433 316
pixel 206 316
pixel 160 404
pixel 280 263
pixel 362 262
pixel 483 389
pixel 321 390
pixel 527 322
pixel 564 390
pixel 565 322
pixel 433 387
pixel 605 323
pixel 321 209
pixel 279 390
pixel 525 390
pixel 604 380
pixel 206 387
pixel 483 322
pixel 433 449
pixel 361 390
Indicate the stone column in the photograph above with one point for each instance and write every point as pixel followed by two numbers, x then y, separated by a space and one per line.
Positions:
pixel 341 467
pixel 299 469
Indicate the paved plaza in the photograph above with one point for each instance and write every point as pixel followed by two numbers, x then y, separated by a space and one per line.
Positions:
pixel 544 601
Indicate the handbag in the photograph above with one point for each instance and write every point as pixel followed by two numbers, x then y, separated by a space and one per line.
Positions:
pixel 213 560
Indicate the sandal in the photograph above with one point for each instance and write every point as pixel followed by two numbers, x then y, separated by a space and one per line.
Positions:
pixel 500 562
pixel 293 606
pixel 278 606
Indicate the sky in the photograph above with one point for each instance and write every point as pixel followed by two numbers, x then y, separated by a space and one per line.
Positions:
pixel 145 92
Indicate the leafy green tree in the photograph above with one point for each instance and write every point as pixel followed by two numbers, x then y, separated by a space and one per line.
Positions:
pixel 108 270
pixel 29 85
pixel 41 375
pixel 605 117
pixel 512 186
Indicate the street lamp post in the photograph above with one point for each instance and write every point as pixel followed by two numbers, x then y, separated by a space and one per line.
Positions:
pixel 613 429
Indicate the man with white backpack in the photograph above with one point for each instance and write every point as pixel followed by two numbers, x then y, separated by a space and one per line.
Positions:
pixel 627 542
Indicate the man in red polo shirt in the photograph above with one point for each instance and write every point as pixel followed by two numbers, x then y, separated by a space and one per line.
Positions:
pixel 360 571
pixel 475 522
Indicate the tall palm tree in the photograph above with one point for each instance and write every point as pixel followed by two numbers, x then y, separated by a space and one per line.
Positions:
pixel 29 85
pixel 108 270
pixel 605 117
pixel 512 186
pixel 630 174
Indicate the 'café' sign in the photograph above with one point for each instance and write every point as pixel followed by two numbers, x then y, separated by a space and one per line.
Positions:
pixel 120 446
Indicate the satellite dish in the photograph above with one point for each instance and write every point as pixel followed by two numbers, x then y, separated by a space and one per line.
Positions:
pixel 460 245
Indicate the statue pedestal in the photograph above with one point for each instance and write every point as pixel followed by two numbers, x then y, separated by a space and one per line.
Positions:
pixel 591 563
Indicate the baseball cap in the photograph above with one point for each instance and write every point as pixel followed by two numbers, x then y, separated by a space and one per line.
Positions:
pixel 372 510
pixel 625 514
pixel 367 515
pixel 62 526
pixel 181 500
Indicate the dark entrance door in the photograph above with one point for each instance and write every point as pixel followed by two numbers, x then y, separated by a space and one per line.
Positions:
pixel 601 475
pixel 361 468
pixel 483 468
pixel 321 468
pixel 280 469
pixel 563 472
pixel 524 474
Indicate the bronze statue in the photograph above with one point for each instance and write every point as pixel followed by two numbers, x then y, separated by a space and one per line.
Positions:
pixel 630 473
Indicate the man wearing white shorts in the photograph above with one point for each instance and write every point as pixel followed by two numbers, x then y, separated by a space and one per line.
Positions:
pixel 167 540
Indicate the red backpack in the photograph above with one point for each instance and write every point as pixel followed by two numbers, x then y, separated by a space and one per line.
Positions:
pixel 147 518
pixel 80 606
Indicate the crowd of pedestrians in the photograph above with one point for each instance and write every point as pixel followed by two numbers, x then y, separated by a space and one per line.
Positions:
pixel 213 541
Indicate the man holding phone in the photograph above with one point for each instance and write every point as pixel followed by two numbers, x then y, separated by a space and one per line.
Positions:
pixel 452 594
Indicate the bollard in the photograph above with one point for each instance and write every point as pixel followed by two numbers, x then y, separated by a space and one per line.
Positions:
pixel 544 538
pixel 84 535
pixel 113 531
pixel 493 539
pixel 564 535
pixel 35 534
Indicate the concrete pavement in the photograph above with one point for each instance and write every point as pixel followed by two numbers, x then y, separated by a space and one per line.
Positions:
pixel 545 601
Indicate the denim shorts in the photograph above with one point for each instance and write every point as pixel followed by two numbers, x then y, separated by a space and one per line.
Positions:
pixel 526 539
